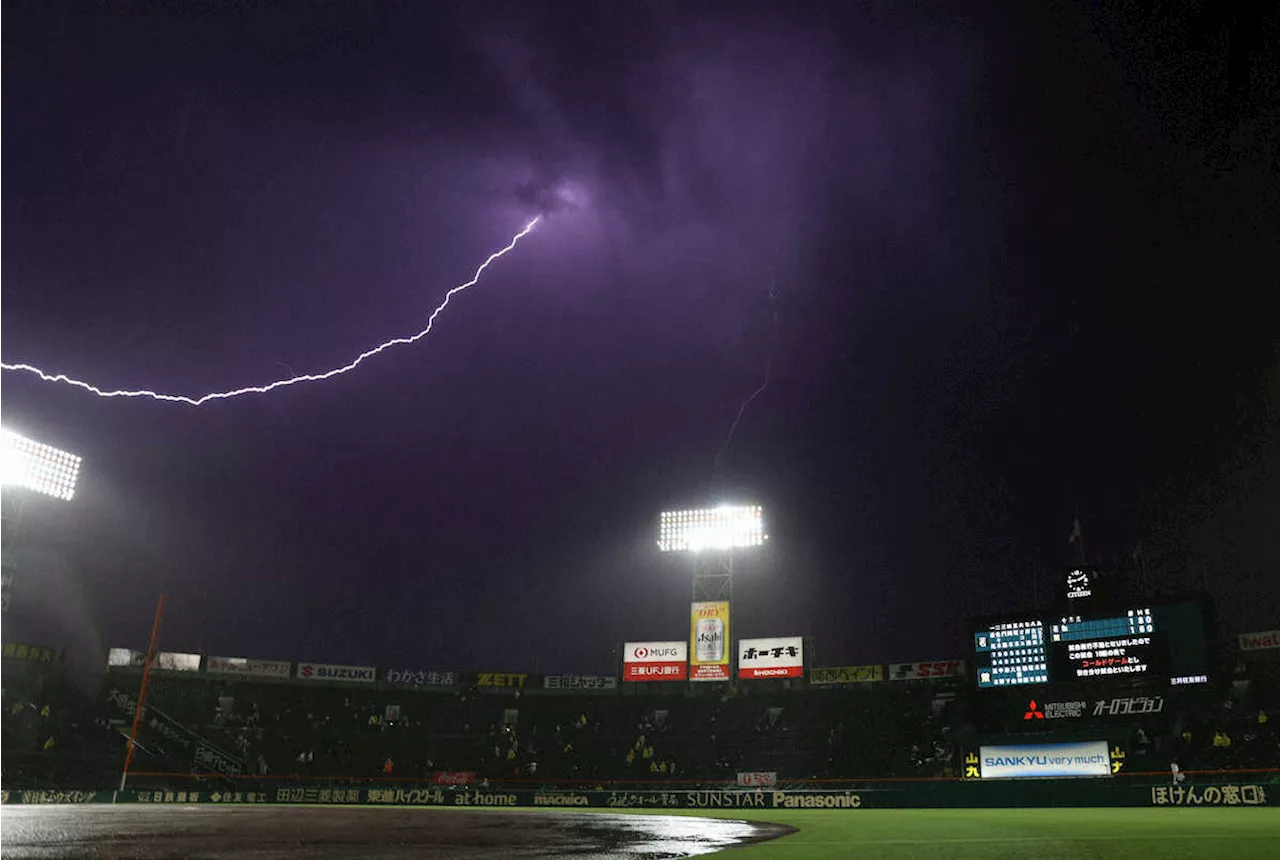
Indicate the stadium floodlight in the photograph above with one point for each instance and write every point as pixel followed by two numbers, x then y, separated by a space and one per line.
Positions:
pixel 36 466
pixel 724 528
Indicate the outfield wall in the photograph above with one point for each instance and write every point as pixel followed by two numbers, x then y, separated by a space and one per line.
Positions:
pixel 934 795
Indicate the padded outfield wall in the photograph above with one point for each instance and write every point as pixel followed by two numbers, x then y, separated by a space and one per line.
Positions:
pixel 917 795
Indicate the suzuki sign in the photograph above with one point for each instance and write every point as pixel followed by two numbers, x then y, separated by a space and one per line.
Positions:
pixel 341 674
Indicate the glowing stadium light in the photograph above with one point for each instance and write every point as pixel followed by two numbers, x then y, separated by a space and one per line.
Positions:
pixel 36 466
pixel 721 528
pixel 279 383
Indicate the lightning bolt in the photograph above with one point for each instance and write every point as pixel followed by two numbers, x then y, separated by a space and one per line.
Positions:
pixel 764 383
pixel 292 380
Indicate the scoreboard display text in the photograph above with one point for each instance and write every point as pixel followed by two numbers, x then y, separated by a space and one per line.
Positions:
pixel 1147 640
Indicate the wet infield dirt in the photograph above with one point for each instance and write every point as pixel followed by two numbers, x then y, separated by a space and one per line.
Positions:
pixel 337 833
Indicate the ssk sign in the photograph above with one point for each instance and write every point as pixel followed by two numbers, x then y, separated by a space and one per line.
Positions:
pixel 655 661
pixel 934 669
pixel 781 657
pixel 341 674
pixel 1260 641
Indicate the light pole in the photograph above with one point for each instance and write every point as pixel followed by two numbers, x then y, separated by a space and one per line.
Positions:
pixel 711 536
pixel 28 466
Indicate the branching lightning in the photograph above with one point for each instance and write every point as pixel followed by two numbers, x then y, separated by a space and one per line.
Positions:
pixel 292 380
pixel 764 383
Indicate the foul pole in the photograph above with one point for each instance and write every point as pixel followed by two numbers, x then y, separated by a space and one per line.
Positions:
pixel 142 691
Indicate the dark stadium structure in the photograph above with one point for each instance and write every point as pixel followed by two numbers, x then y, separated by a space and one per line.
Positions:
pixel 208 728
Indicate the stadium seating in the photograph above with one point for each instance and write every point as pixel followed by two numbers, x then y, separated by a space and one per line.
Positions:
pixel 212 725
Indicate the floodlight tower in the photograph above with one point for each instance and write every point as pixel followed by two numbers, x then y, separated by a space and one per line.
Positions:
pixel 28 466
pixel 712 535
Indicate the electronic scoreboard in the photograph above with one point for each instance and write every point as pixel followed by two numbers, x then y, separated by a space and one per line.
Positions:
pixel 1149 640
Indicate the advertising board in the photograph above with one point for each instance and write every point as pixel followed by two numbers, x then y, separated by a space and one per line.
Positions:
pixel 1263 640
pixel 126 657
pixel 577 683
pixel 1031 761
pixel 421 677
pixel 932 669
pixel 247 667
pixel 340 674
pixel 655 661
pixel 174 661
pixel 709 641
pixel 779 657
pixel 832 675
pixel 29 653
pixel 502 680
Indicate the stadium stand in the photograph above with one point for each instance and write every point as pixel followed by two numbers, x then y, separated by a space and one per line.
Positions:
pixel 51 733
pixel 215 727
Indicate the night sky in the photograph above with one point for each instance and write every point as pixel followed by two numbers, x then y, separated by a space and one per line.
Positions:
pixel 1019 263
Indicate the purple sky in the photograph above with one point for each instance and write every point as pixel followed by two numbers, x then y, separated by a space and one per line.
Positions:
pixel 1018 264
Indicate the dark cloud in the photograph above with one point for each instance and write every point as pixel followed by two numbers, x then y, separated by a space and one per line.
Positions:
pixel 990 235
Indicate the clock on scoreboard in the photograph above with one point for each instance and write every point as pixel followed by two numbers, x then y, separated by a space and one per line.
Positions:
pixel 1162 640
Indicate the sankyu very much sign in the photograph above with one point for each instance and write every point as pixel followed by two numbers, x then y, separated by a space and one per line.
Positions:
pixel 932 669
pixel 709 641
pixel 248 668
pixel 655 661
pixel 781 657
pixel 1029 761
pixel 341 674
pixel 1260 641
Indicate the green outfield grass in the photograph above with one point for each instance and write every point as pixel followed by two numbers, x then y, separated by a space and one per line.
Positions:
pixel 1019 834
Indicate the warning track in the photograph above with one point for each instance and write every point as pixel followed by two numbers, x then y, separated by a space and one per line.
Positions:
pixel 344 833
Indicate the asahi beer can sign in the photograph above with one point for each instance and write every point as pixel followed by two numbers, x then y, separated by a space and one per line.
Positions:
pixel 709 641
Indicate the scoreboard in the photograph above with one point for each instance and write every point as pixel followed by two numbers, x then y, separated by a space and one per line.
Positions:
pixel 1148 640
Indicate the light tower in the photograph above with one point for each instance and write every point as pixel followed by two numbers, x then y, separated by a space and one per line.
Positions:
pixel 711 536
pixel 27 466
